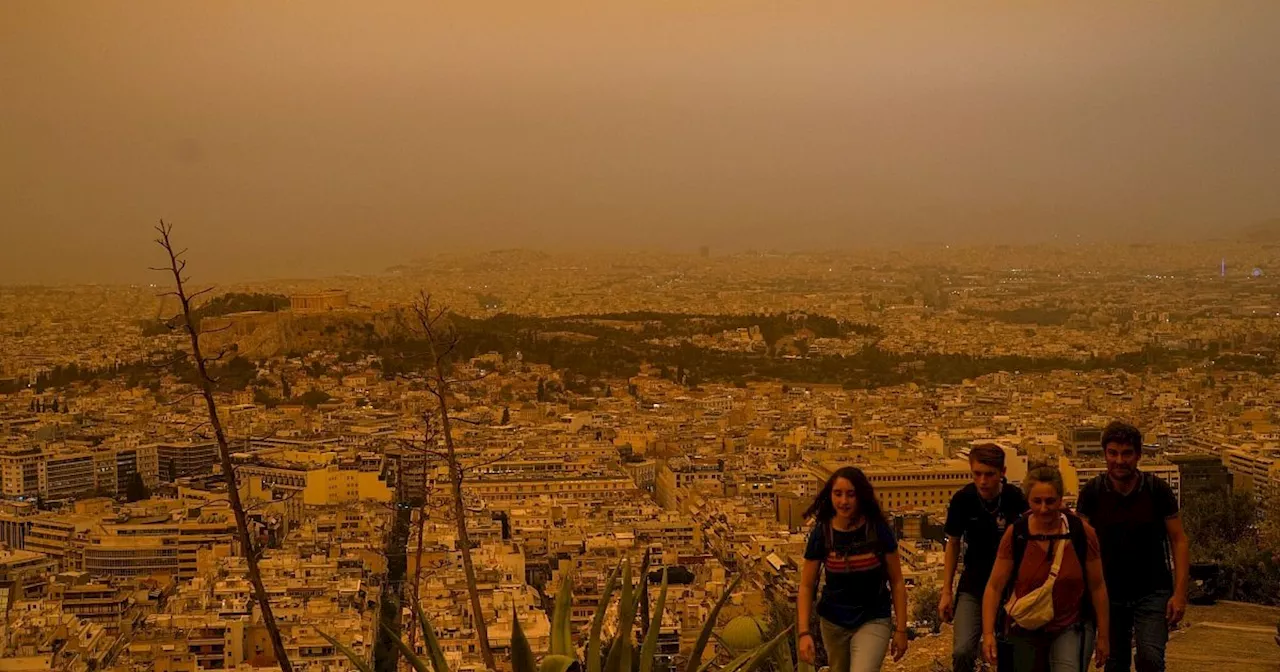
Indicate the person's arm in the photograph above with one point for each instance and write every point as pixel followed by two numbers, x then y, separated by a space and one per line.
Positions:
pixel 1084 503
pixel 893 565
pixel 946 601
pixel 1177 607
pixel 1000 573
pixel 1098 596
pixel 804 607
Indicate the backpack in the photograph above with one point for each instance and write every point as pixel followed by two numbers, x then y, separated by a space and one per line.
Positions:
pixel 873 539
pixel 1079 541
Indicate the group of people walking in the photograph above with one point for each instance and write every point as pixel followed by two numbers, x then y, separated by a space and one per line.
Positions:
pixel 1044 588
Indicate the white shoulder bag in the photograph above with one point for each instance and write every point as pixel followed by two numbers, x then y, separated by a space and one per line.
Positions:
pixel 1035 609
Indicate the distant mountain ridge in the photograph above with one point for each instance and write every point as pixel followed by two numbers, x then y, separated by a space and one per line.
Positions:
pixel 1262 232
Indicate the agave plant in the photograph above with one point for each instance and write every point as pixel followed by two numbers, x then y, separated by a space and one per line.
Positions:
pixel 563 656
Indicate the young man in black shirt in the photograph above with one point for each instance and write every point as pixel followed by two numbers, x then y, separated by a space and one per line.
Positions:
pixel 978 515
pixel 1136 517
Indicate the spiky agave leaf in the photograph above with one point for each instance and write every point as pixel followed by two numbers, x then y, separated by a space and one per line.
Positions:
pixel 434 652
pixel 597 621
pixel 561 632
pixel 650 647
pixel 619 659
pixel 346 651
pixel 801 664
pixel 416 661
pixel 522 659
pixel 695 657
pixel 760 654
pixel 557 663
pixel 783 659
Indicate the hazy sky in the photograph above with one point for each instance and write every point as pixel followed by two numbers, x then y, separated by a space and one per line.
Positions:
pixel 317 137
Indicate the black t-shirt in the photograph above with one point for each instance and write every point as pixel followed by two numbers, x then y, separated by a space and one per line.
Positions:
pixel 857 587
pixel 981 524
pixel 1131 530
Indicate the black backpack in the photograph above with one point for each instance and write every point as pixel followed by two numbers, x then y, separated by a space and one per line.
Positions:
pixel 1079 540
pixel 873 540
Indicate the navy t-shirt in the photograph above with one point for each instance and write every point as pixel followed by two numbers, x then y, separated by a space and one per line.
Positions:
pixel 981 524
pixel 857 586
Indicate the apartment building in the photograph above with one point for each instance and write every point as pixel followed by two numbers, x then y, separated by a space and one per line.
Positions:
pixel 910 486
pixel 1082 441
pixel 26 572
pixel 1251 468
pixel 21 472
pixel 179 460
pixel 73 471
pixel 59 537
pixel 1169 472
pixel 1202 472
pixel 508 491
pixel 108 556
pixel 96 602
pixel 679 476
pixel 69 475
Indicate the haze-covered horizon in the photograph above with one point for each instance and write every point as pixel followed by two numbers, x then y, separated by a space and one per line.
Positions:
pixel 299 141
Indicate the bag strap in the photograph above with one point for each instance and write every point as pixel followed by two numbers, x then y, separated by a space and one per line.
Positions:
pixel 1057 559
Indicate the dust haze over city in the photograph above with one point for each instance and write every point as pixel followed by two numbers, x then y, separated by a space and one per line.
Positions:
pixel 542 336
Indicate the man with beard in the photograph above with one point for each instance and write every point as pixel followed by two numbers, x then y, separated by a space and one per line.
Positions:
pixel 1136 517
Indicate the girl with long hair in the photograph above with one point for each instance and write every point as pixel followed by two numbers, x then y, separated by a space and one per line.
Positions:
pixel 853 545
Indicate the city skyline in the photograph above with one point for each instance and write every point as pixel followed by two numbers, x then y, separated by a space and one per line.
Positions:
pixel 328 139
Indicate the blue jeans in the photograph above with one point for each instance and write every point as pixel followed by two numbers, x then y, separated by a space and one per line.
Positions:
pixel 858 650
pixel 966 648
pixel 1065 651
pixel 1142 619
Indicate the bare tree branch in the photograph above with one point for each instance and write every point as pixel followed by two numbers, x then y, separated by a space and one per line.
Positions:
pixel 176 266
pixel 431 322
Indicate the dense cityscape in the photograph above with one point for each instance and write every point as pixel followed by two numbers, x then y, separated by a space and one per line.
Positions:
pixel 676 412
pixel 581 336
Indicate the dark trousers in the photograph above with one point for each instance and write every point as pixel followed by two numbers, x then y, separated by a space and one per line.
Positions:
pixel 1141 621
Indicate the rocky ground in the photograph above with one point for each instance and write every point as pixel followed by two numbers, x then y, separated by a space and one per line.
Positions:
pixel 1225 637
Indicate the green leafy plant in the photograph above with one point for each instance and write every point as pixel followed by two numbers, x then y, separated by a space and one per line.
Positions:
pixel 563 655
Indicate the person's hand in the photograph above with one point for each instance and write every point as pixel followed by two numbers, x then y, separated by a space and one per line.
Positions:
pixel 808 653
pixel 989 649
pixel 946 606
pixel 1101 649
pixel 1176 609
pixel 898 646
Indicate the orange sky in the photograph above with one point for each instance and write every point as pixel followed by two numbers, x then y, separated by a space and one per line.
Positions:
pixel 318 137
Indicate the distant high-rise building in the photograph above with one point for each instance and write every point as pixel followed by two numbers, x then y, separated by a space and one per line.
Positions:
pixel 179 460
pixel 1082 441
pixel 21 472
pixel 1202 473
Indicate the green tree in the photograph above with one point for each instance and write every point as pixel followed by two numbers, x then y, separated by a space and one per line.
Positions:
pixel 1225 530
pixel 264 398
pixel 924 605
pixel 1217 523
pixel 313 398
